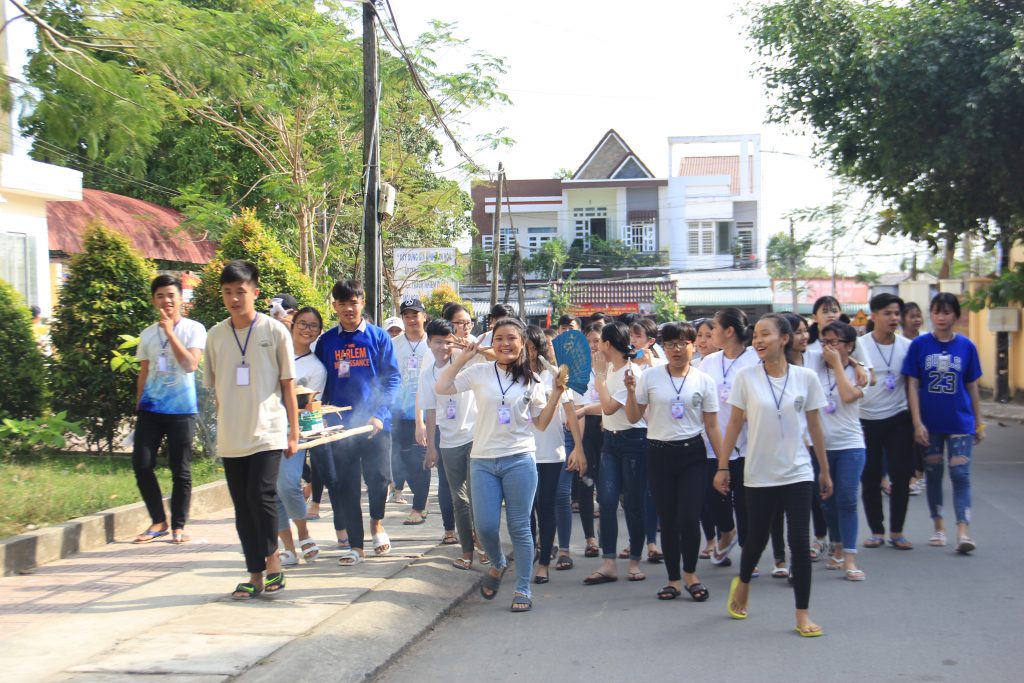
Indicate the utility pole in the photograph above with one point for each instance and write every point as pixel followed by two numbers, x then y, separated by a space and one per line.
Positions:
pixel 522 284
pixel 496 236
pixel 371 166
pixel 792 265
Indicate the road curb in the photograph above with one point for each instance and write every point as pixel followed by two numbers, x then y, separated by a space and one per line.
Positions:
pixel 23 553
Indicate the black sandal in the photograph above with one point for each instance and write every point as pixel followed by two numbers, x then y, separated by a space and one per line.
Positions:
pixel 698 591
pixel 522 602
pixel 245 591
pixel 592 551
pixel 274 582
pixel 491 583
pixel 669 593
pixel 564 562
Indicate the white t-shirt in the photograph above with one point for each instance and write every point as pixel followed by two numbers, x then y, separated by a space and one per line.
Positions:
pixel 310 372
pixel 889 396
pixel 776 454
pixel 676 404
pixel 723 371
pixel 616 386
pixel 551 441
pixel 858 353
pixel 491 438
pixel 168 388
pixel 455 415
pixel 412 357
pixel 839 420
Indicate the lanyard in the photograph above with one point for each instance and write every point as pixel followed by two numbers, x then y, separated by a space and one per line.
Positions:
pixel 502 388
pixel 725 371
pixel 888 363
pixel 243 347
pixel 411 347
pixel 771 387
pixel 828 378
pixel 682 384
pixel 302 356
pixel 165 342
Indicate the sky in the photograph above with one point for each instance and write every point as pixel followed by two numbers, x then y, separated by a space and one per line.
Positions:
pixel 650 71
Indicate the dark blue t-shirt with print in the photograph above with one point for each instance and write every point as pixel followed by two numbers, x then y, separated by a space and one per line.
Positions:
pixel 943 371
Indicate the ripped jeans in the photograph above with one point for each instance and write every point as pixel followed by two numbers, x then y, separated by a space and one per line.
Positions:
pixel 959 473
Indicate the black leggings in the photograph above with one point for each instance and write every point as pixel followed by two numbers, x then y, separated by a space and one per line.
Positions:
pixel 817 511
pixel 676 472
pixel 716 515
pixel 739 501
pixel 544 508
pixel 887 441
pixel 795 501
pixel 593 440
pixel 252 483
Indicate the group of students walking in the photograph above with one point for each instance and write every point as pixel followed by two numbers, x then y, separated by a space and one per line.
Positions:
pixel 742 431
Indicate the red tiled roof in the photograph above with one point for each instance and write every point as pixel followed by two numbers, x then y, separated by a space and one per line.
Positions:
pixel 717 165
pixel 153 229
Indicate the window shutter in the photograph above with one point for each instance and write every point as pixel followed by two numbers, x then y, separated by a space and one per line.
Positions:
pixel 723 237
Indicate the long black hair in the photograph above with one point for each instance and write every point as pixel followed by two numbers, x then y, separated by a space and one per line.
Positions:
pixel 617 334
pixel 311 310
pixel 829 300
pixel 737 320
pixel 782 326
pixel 520 367
pixel 536 338
pixel 845 332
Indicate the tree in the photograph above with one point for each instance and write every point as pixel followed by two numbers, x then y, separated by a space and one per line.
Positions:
pixel 549 260
pixel 667 308
pixel 442 295
pixel 22 382
pixel 787 255
pixel 248 240
pixel 105 296
pixel 256 104
pixel 917 102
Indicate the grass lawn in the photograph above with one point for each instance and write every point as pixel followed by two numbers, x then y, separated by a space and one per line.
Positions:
pixel 42 490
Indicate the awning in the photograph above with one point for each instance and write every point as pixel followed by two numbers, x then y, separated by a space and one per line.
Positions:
pixel 726 296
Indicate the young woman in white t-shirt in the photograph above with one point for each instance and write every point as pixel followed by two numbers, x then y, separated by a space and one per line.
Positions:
pixel 551 451
pixel 508 397
pixel 681 404
pixel 589 412
pixel 623 456
pixel 643 335
pixel 703 347
pixel 731 334
pixel 773 400
pixel 844 440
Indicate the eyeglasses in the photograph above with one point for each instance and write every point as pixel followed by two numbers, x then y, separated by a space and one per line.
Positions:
pixel 309 327
pixel 675 346
pixel 462 323
pixel 833 342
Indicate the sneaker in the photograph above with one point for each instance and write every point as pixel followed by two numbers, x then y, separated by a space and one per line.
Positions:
pixel 965 545
pixel 938 539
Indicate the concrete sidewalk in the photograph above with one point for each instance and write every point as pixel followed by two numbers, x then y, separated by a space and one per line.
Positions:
pixel 127 612
pixel 1007 412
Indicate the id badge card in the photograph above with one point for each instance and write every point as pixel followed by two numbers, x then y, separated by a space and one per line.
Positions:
pixel 504 415
pixel 830 407
pixel 449 412
pixel 594 396
pixel 413 363
pixel 890 382
pixel 242 376
pixel 162 365
pixel 723 393
pixel 678 410
pixel 343 369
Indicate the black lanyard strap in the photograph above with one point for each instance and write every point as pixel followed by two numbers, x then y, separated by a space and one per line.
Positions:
pixel 771 387
pixel 243 347
pixel 672 381
pixel 501 387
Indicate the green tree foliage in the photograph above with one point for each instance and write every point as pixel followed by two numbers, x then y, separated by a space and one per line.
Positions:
pixel 667 308
pixel 106 295
pixel 22 382
pixel 783 251
pixel 442 295
pixel 248 240
pixel 918 102
pixel 549 260
pixel 217 106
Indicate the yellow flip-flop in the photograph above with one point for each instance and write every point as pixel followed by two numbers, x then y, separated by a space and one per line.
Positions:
pixel 809 634
pixel 732 591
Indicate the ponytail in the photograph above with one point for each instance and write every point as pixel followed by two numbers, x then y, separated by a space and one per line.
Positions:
pixel 783 327
pixel 617 335
pixel 737 320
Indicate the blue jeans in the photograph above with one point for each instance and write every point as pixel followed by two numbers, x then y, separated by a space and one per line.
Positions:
pixel 444 493
pixel 291 504
pixel 512 478
pixel 407 462
pixel 845 465
pixel 349 458
pixel 563 497
pixel 623 471
pixel 960 446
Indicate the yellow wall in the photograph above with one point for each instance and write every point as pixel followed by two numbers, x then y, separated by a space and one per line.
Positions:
pixel 986 340
pixel 604 196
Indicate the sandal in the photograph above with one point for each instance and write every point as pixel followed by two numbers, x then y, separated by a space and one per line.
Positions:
pixel 937 539
pixel 415 518
pixel 706 553
pixel 965 545
pixel 462 563
pixel 309 549
pixel 834 563
pixel 636 576
pixel 655 556
pixel 812 633
pixel 698 591
pixel 449 538
pixel 178 536
pixel 901 543
pixel 734 613
pixel 817 550
pixel 521 603
pixel 564 562
pixel 624 555
pixel 598 578
pixel 381 543
pixel 149 535
pixel 350 558
pixel 669 593
pixel 288 558
pixel 780 572
pixel 855 575
pixel 540 579
pixel 274 583
pixel 245 591
pixel 491 583
pixel 592 551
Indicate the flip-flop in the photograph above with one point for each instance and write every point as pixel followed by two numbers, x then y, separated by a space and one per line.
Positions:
pixel 149 536
pixel 809 634
pixel 669 593
pixel 462 563
pixel 624 554
pixel 540 580
pixel 636 576
pixel 598 578
pixel 414 521
pixel 855 575
pixel 592 551
pixel 178 537
pixel 874 542
pixel 655 557
pixel 698 591
pixel 728 605
pixel 901 543
pixel 382 540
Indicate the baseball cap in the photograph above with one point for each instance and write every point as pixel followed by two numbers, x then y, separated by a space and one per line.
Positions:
pixel 288 302
pixel 394 322
pixel 411 304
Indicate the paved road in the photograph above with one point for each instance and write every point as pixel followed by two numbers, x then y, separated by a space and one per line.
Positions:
pixel 924 615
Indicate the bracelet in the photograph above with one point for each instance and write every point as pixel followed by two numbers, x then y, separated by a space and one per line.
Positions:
pixel 723 469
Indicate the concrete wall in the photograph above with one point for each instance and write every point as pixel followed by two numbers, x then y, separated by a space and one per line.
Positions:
pixel 22 214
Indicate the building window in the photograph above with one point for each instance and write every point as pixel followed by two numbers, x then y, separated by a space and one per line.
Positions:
pixel 18 264
pixel 708 238
pixel 536 238
pixel 507 241
pixel 590 221
pixel 639 236
pixel 745 240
